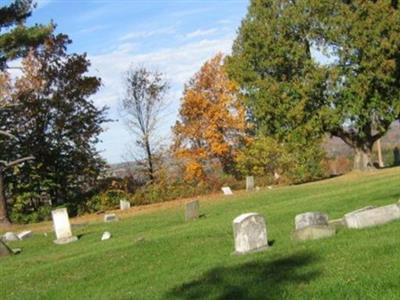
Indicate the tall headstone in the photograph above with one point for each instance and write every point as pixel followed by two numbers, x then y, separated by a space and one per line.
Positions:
pixel 249 183
pixel 62 227
pixel 124 204
pixel 250 233
pixel 227 191
pixel 192 210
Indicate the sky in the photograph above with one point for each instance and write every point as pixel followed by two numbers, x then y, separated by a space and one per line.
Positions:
pixel 174 37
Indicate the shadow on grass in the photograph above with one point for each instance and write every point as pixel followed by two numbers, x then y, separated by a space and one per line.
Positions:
pixel 255 280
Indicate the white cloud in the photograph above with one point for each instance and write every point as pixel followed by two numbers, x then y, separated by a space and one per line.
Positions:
pixel 148 33
pixel 201 32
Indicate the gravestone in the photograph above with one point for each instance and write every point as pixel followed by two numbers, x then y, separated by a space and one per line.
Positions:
pixel 309 219
pixel 106 236
pixel 25 234
pixel 62 227
pixel 10 237
pixel 227 191
pixel 250 233
pixel 110 218
pixel 192 210
pixel 368 217
pixel 312 226
pixel 249 183
pixel 4 249
pixel 124 204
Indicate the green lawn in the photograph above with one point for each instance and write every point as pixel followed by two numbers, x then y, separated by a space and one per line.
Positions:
pixel 159 256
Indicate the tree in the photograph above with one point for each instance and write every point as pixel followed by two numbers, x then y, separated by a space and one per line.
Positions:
pixel 55 121
pixel 212 120
pixel 14 43
pixel 143 104
pixel 355 98
pixel 18 39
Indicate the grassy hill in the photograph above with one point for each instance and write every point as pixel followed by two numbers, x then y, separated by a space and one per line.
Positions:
pixel 159 256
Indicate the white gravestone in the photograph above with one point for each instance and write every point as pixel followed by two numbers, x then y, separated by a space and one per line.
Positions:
pixel 62 227
pixel 368 217
pixel 124 204
pixel 110 218
pixel 227 190
pixel 250 233
pixel 249 183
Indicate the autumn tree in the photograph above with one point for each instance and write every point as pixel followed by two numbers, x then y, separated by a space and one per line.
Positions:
pixel 289 93
pixel 15 41
pixel 142 107
pixel 212 120
pixel 55 121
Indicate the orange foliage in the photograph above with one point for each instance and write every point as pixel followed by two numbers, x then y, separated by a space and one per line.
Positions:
pixel 212 119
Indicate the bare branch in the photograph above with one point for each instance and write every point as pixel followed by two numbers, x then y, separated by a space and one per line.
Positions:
pixel 17 161
pixel 5 133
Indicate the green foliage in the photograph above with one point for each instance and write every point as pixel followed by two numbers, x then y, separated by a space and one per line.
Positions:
pixel 103 201
pixel 356 97
pixel 22 211
pixel 17 41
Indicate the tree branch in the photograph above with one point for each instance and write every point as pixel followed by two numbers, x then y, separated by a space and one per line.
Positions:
pixel 5 133
pixel 16 162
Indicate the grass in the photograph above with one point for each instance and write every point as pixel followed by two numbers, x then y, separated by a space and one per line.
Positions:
pixel 159 256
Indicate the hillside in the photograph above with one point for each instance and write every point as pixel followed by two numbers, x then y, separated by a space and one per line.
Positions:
pixel 156 255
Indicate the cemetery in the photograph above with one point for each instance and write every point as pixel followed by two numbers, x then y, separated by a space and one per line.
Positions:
pixel 162 255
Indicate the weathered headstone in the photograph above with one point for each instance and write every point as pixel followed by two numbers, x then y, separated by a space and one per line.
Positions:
pixel 249 183
pixel 312 226
pixel 309 219
pixel 106 236
pixel 227 191
pixel 4 249
pixel 192 210
pixel 314 232
pixel 110 218
pixel 124 204
pixel 10 237
pixel 368 217
pixel 25 234
pixel 250 233
pixel 258 188
pixel 62 227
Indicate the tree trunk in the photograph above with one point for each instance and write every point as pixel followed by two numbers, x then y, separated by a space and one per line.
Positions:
pixel 4 220
pixel 363 159
pixel 149 161
pixel 380 160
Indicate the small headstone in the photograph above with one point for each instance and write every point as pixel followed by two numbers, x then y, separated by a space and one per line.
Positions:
pixel 314 232
pixel 250 233
pixel 227 191
pixel 106 236
pixel 368 217
pixel 258 188
pixel 110 218
pixel 309 219
pixel 25 234
pixel 270 187
pixel 124 204
pixel 4 249
pixel 192 210
pixel 62 227
pixel 10 237
pixel 249 183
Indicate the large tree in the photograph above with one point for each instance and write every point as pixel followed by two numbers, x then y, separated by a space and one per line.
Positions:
pixel 54 120
pixel 288 91
pixel 212 121
pixel 15 41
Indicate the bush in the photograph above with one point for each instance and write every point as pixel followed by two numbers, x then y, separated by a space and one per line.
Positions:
pixel 23 212
pixel 103 201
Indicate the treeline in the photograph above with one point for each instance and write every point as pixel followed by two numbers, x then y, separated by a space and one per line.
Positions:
pixel 298 71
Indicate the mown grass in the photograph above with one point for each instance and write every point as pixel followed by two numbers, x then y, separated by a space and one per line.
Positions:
pixel 159 256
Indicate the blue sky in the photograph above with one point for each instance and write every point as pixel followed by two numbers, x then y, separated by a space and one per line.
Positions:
pixel 173 36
